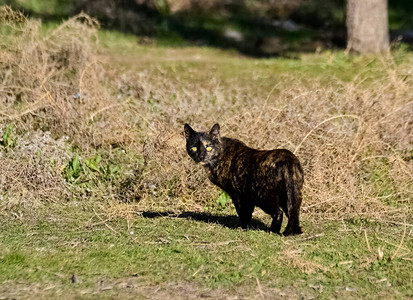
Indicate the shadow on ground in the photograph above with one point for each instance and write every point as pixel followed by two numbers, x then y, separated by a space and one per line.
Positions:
pixel 226 221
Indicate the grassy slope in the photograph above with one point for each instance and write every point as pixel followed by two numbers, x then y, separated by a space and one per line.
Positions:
pixel 183 256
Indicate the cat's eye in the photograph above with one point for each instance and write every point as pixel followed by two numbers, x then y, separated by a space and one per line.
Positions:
pixel 209 148
pixel 194 149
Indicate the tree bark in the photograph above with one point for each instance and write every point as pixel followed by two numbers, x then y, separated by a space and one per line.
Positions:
pixel 367 26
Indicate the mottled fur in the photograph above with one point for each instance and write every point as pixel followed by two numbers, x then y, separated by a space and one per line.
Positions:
pixel 271 180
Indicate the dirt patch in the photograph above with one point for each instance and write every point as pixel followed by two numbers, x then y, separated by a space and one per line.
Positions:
pixel 133 289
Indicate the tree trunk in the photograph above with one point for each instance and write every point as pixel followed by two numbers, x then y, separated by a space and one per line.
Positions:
pixel 367 26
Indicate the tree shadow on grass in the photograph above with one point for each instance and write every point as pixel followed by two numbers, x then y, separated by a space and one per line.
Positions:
pixel 226 221
pixel 253 36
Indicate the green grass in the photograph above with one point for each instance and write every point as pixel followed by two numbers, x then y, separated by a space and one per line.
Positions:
pixel 52 246
pixel 330 63
pixel 44 7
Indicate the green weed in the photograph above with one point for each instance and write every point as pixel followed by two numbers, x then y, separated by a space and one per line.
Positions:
pixel 9 140
pixel 90 171
pixel 73 169
pixel 223 199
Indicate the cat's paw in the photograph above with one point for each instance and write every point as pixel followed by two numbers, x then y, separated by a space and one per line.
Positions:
pixel 292 231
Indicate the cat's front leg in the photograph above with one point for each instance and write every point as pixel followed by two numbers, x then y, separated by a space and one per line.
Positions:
pixel 245 216
pixel 244 209
pixel 277 220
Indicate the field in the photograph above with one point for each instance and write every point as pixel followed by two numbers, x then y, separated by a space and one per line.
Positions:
pixel 98 198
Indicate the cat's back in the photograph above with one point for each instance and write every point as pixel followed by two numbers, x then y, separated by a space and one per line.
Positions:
pixel 234 147
pixel 247 158
pixel 276 156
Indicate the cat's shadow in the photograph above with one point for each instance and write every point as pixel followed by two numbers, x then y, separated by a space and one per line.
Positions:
pixel 230 221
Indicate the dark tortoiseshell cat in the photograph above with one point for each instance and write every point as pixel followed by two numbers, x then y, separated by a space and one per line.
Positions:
pixel 271 180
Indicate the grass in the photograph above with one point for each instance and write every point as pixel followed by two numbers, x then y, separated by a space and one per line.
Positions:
pixel 331 260
pixel 99 199
pixel 186 60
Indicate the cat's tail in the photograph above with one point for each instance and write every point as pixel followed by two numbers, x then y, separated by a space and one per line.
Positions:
pixel 293 178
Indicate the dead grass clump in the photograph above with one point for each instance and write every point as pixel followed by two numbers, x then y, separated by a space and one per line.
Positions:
pixel 295 259
pixel 30 172
pixel 53 81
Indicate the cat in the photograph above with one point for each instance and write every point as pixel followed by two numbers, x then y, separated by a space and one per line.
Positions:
pixel 271 180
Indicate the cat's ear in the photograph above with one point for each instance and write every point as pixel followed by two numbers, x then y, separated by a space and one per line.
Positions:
pixel 188 131
pixel 214 132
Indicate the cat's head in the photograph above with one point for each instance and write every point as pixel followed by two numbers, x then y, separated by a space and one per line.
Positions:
pixel 203 147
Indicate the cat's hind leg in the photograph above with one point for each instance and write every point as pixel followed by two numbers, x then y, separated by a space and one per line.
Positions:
pixel 293 200
pixel 293 226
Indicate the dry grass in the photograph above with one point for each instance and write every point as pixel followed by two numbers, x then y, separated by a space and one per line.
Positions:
pixel 30 174
pixel 53 81
pixel 355 138
pixel 52 87
pixel 294 259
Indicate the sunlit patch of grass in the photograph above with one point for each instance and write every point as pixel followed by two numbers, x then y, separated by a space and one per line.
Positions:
pixel 47 7
pixel 337 261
